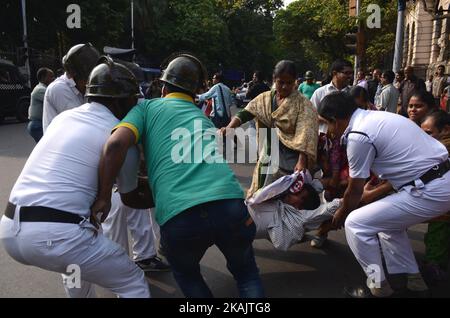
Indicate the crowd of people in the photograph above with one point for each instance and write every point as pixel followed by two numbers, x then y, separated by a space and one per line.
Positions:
pixel 370 155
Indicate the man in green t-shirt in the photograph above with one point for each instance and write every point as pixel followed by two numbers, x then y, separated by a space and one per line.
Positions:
pixel 198 199
pixel 309 87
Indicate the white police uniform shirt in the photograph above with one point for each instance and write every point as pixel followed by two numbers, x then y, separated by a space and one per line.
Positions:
pixel 62 170
pixel 382 142
pixel 323 91
pixel 397 150
pixel 61 95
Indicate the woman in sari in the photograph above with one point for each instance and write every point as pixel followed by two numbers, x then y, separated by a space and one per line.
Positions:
pixel 296 121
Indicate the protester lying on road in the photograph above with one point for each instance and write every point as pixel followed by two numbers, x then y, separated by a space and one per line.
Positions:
pixel 288 208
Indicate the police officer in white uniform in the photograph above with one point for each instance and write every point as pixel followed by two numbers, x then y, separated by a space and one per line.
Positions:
pixel 139 223
pixel 417 167
pixel 68 90
pixel 46 223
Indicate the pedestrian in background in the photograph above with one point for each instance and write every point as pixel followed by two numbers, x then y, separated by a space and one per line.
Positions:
pixel 44 76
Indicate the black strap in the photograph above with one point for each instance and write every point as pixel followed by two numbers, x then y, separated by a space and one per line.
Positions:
pixel 365 135
pixel 436 172
pixel 224 105
pixel 42 214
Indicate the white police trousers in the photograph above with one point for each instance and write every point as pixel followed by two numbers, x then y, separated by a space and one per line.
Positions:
pixel 122 218
pixel 385 222
pixel 76 252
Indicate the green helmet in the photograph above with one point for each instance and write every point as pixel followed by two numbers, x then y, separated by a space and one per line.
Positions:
pixel 80 60
pixel 112 80
pixel 185 71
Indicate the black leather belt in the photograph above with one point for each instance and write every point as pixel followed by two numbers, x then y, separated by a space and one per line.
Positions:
pixel 42 214
pixel 436 172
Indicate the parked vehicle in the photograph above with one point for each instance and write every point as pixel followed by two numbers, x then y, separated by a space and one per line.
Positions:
pixel 14 94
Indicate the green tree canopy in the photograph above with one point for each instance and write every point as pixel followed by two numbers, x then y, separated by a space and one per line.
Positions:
pixel 232 34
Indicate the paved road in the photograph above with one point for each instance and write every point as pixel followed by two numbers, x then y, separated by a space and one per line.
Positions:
pixel 300 272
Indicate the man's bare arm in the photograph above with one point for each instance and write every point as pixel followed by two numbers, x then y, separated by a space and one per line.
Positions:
pixel 372 194
pixel 113 156
pixel 352 198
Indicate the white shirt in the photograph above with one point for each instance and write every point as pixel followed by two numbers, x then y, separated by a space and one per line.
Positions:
pixel 61 95
pixel 323 91
pixel 62 170
pixel 363 84
pixel 222 99
pixel 396 149
pixel 388 99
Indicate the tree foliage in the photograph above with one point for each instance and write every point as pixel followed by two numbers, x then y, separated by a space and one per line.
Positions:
pixel 380 42
pixel 231 34
pixel 315 30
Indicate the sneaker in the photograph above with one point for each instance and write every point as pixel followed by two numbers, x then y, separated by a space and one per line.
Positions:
pixel 319 241
pixel 154 264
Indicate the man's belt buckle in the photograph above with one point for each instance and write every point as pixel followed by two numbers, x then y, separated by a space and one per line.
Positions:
pixel 435 168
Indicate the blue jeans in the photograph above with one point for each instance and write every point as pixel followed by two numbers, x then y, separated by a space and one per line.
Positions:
pixel 35 129
pixel 225 223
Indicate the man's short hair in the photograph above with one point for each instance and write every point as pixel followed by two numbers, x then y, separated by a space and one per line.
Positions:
pixel 174 89
pixel 440 118
pixel 359 92
pixel 337 105
pixel 339 65
pixel 441 66
pixel 219 77
pixel 42 73
pixel 389 76
pixel 313 200
pixel 376 70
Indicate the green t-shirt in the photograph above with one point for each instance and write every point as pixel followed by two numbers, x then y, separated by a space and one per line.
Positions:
pixel 308 90
pixel 183 164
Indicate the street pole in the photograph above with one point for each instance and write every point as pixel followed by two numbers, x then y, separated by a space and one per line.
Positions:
pixel 25 42
pixel 132 24
pixel 398 54
pixel 357 59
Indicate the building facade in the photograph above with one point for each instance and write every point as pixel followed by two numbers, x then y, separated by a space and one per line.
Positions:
pixel 426 37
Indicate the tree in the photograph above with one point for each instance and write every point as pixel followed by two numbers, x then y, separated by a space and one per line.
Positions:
pixel 250 25
pixel 102 24
pixel 235 34
pixel 380 42
pixel 312 32
pixel 182 25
